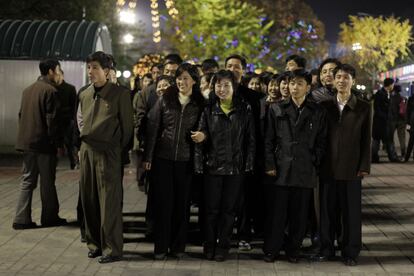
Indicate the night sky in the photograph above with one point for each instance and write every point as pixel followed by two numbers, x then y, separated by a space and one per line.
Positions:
pixel 332 13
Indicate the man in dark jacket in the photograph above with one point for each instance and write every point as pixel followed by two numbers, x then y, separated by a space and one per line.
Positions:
pixel 380 131
pixel 37 139
pixel 347 160
pixel 325 90
pixel 251 200
pixel 410 126
pixel 66 118
pixel 295 143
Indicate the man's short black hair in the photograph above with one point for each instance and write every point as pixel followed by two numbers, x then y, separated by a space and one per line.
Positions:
pixel 315 72
pixel 346 68
pixel 300 74
pixel 388 82
pixel 175 58
pixel 239 57
pixel 48 64
pixel 104 60
pixel 209 64
pixel 300 61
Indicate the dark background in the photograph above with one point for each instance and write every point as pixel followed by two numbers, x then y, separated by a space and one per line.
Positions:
pixel 333 12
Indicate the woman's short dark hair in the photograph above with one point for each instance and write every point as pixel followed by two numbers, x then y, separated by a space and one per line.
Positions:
pixel 193 72
pixel 104 60
pixel 169 79
pixel 284 76
pixel 208 77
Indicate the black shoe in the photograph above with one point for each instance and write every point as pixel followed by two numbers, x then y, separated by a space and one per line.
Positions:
pixel 57 222
pixel 221 254
pixel 94 253
pixel 179 255
pixel 160 257
pixel 208 252
pixel 293 259
pixel 22 226
pixel 269 258
pixel 321 258
pixel 108 259
pixel 348 261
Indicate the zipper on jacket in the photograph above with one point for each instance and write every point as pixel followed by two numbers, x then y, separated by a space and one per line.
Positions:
pixel 178 136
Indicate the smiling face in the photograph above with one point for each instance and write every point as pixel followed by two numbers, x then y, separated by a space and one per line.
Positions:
pixel 326 74
pixel 162 86
pixel 343 82
pixel 170 68
pixel 284 89
pixel 298 87
pixel 185 83
pixel 224 89
pixel 272 89
pixel 96 74
pixel 255 84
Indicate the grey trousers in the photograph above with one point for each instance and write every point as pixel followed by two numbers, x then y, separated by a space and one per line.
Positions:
pixel 35 164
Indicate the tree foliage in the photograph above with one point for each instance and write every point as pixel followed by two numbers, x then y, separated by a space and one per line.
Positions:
pixel 214 28
pixel 380 41
pixel 296 30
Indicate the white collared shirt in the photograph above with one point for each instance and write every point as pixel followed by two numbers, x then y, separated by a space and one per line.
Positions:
pixel 341 105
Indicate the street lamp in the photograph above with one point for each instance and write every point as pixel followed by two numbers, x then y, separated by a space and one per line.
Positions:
pixel 128 38
pixel 356 46
pixel 127 17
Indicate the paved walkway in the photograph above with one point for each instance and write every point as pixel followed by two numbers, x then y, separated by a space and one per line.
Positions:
pixel 388 235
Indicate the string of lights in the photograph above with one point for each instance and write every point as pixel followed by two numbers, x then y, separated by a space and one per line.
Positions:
pixel 155 18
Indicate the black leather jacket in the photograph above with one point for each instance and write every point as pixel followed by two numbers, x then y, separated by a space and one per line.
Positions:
pixel 168 133
pixel 230 145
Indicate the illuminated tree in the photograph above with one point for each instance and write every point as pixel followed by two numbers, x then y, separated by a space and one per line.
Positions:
pixel 296 30
pixel 214 28
pixel 375 42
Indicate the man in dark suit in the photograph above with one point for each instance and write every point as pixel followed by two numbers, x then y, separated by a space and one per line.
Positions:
pixel 381 124
pixel 346 162
pixel 66 94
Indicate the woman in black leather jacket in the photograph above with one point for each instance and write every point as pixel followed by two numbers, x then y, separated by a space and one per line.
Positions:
pixel 168 154
pixel 225 152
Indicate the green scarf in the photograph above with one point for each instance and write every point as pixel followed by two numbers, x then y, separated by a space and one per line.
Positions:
pixel 226 106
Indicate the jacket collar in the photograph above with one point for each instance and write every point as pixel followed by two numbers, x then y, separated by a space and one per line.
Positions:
pixel 45 79
pixel 352 101
pixel 105 90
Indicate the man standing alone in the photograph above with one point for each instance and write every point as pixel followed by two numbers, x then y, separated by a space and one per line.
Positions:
pixel 37 139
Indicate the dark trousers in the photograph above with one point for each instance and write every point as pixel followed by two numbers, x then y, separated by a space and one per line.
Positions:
pixel 35 164
pixel 348 195
pixel 410 145
pixel 80 214
pixel 68 134
pixel 384 135
pixel 172 185
pixel 286 206
pixel 101 195
pixel 251 207
pixel 221 193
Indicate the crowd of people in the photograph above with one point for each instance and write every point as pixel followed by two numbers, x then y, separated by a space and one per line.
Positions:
pixel 264 156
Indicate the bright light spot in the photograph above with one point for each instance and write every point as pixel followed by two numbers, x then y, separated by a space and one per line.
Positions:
pixel 363 87
pixel 128 38
pixel 127 17
pixel 126 74
pixel 356 46
pixel 358 86
pixel 118 73
pixel 407 89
